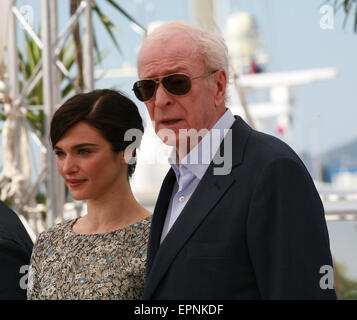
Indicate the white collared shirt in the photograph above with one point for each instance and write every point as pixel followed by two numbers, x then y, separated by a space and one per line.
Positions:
pixel 193 167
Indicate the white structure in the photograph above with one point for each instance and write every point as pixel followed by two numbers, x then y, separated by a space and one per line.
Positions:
pixel 275 113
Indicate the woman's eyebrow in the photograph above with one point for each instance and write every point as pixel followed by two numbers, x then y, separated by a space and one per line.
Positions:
pixel 78 146
pixel 86 144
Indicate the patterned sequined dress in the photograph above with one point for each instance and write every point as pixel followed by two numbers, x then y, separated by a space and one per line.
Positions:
pixel 67 265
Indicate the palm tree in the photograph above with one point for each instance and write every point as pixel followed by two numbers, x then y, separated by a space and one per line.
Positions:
pixel 108 25
pixel 349 7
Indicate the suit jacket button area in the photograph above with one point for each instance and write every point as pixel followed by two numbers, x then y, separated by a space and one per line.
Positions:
pixel 182 199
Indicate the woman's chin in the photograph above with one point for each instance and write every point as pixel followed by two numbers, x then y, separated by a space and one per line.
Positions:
pixel 78 197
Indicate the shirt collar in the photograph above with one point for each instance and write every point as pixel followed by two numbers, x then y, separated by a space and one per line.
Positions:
pixel 202 154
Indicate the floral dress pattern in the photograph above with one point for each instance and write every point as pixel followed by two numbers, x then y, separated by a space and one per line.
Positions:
pixel 67 265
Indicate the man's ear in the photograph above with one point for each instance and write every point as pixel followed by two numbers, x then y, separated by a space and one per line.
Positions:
pixel 220 80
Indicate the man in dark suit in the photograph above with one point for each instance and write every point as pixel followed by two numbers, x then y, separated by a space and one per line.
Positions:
pixel 15 253
pixel 238 215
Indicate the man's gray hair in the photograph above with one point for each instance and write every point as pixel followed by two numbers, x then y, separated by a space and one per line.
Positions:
pixel 211 46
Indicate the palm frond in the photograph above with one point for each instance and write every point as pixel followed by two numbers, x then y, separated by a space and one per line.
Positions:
pixel 347 6
pixel 127 15
pixel 108 25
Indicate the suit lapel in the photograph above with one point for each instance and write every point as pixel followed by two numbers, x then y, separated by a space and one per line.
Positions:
pixel 159 215
pixel 209 191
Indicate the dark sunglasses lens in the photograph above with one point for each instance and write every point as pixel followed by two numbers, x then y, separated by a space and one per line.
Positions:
pixel 178 84
pixel 144 89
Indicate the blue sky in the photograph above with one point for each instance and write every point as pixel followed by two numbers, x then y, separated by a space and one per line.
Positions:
pixel 325 113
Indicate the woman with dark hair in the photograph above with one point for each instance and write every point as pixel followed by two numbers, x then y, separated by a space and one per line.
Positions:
pixel 102 254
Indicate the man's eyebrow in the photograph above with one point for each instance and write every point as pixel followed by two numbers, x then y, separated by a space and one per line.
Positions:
pixel 169 72
pixel 80 145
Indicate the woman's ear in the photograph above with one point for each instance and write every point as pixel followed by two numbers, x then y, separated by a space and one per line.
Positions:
pixel 122 160
pixel 128 155
pixel 121 157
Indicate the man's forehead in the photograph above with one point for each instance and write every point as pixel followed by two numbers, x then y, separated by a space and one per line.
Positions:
pixel 169 37
pixel 162 67
pixel 179 44
pixel 173 55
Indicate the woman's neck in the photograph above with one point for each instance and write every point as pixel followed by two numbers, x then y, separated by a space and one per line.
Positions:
pixel 111 211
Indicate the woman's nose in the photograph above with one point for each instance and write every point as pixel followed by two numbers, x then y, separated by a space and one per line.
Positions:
pixel 69 165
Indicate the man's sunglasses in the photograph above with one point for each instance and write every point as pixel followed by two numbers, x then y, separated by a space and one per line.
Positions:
pixel 177 84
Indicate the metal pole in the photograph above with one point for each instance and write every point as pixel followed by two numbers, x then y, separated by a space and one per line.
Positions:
pixel 27 27
pixel 56 89
pixel 13 60
pixel 14 87
pixel 49 110
pixel 88 48
pixel 58 184
pixel 13 93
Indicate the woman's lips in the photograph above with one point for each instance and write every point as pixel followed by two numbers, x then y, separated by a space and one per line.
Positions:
pixel 74 183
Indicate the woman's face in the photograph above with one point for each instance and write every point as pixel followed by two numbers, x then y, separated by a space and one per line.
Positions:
pixel 87 163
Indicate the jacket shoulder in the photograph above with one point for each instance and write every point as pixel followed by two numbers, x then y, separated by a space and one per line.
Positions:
pixel 269 148
pixel 12 229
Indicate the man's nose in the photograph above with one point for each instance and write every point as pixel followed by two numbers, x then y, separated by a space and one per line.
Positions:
pixel 162 97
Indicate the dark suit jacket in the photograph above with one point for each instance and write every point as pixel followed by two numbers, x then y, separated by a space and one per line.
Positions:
pixel 15 251
pixel 256 233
